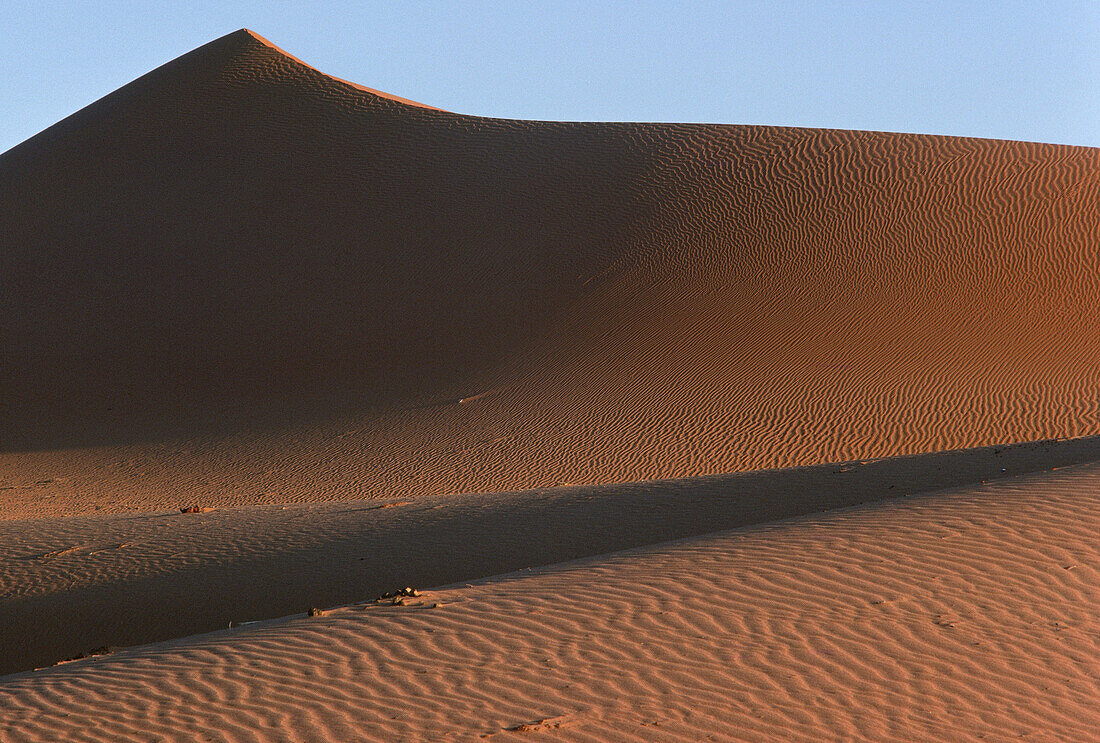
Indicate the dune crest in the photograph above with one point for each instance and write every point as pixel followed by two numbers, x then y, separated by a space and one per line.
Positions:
pixel 238 280
pixel 372 91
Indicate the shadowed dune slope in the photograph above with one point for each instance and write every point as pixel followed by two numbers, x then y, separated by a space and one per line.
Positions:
pixel 238 280
pixel 959 616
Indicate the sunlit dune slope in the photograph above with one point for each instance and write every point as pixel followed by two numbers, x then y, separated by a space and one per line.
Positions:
pixel 239 280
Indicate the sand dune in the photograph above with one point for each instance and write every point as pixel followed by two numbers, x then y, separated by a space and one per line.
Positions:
pixel 899 621
pixel 240 281
pixel 374 344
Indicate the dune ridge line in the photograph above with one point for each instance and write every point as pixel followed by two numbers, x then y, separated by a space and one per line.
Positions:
pixel 113 580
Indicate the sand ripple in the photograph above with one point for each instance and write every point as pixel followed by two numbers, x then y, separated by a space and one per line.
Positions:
pixel 956 616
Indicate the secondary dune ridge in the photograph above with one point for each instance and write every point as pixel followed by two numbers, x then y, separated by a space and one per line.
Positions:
pixel 899 621
pixel 73 584
pixel 240 281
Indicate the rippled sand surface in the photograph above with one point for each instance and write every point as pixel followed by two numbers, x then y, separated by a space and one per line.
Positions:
pixel 790 434
pixel 962 615
pixel 240 281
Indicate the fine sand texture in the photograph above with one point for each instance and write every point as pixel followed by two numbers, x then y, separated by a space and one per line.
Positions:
pixel 240 281
pixel 961 615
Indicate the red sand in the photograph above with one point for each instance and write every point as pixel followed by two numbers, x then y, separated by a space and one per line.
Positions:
pixel 238 283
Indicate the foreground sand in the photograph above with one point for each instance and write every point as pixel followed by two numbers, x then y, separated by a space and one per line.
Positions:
pixel 961 615
pixel 239 281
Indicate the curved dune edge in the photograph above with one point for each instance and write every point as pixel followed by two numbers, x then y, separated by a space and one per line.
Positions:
pixel 357 86
pixel 237 281
pixel 73 584
pixel 961 615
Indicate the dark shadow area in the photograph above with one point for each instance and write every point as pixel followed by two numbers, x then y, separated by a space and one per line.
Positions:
pixel 192 242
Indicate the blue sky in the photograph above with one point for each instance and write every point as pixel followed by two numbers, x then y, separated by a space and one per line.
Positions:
pixel 1012 70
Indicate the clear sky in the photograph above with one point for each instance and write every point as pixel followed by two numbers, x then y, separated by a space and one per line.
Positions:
pixel 1013 70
